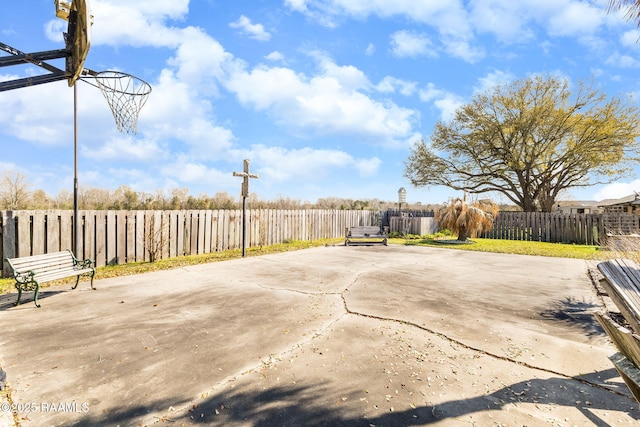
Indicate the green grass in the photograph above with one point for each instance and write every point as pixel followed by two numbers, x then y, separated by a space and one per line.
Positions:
pixel 6 285
pixel 482 245
pixel 513 247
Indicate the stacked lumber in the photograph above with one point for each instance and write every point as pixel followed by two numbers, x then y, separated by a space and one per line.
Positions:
pixel 622 284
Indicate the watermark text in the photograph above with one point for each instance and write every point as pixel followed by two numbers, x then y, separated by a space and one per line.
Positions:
pixel 27 407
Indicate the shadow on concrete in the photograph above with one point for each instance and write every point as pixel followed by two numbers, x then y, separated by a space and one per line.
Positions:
pixel 575 314
pixel 7 301
pixel 298 405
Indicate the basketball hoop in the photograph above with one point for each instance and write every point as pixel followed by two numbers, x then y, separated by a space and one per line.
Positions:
pixel 126 95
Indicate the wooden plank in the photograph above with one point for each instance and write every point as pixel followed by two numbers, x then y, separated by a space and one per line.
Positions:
pixel 629 373
pixel 89 235
pixel 185 232
pixel 201 232
pixel 121 237
pixel 101 239
pixel 622 283
pixel 157 234
pixel 23 232
pixel 216 230
pixel 193 233
pixel 207 232
pixel 8 240
pixel 66 230
pixel 38 233
pixel 173 233
pixel 110 242
pixel 165 236
pixel 148 234
pixel 232 224
pixel 79 251
pixel 224 237
pixel 624 339
pixel 139 226
pixel 53 231
pixel 130 231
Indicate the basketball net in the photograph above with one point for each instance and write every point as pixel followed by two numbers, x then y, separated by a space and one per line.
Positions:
pixel 126 95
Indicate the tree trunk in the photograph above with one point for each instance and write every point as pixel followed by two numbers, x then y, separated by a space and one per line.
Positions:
pixel 463 235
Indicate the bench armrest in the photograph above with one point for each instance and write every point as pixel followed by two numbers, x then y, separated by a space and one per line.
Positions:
pixel 24 277
pixel 86 263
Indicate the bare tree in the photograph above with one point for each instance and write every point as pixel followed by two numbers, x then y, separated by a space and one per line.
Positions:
pixel 14 190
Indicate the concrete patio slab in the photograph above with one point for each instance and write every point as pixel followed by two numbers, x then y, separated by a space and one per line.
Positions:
pixel 363 335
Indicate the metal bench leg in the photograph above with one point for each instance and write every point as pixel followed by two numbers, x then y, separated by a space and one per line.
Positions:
pixel 19 295
pixel 36 294
pixel 77 281
pixel 92 274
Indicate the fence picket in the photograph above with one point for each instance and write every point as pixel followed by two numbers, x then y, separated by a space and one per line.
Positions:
pixel 119 237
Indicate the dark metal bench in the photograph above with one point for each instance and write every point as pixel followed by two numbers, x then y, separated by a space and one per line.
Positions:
pixel 622 284
pixel 31 271
pixel 366 234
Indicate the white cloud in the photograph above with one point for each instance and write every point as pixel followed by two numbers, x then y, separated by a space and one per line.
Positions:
pixel 495 78
pixel 189 171
pixel 459 48
pixel 391 85
pixel 617 190
pixel 448 17
pixel 408 44
pixel 37 115
pixel 510 21
pixel 574 18
pixel 136 24
pixel 617 59
pixel 443 100
pixel 126 149
pixel 275 56
pixel 368 167
pixel 630 38
pixel 254 31
pixel 331 102
pixel 501 18
pixel 278 164
pixel 370 50
pixel 298 5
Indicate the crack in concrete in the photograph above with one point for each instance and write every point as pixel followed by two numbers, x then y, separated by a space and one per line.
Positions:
pixel 347 311
pixel 438 334
pixel 481 351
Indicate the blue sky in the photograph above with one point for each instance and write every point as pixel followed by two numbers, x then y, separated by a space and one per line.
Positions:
pixel 325 97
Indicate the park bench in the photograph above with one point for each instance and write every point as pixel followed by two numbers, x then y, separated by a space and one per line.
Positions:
pixel 621 281
pixel 31 271
pixel 367 234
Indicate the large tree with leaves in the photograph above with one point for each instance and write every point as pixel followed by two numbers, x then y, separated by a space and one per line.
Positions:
pixel 530 140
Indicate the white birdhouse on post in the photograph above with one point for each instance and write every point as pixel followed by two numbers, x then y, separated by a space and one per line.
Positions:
pixel 402 198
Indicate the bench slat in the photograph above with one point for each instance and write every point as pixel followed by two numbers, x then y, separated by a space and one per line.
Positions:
pixel 61 274
pixel 623 286
pixel 625 340
pixel 41 261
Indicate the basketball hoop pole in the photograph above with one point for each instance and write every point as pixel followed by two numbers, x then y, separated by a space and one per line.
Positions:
pixel 75 171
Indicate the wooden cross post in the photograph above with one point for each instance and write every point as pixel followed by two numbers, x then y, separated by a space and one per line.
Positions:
pixel 245 193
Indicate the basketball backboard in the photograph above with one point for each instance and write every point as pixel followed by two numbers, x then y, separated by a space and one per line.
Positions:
pixel 78 37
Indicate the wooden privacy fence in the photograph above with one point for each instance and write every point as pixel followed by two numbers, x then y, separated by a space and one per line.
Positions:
pixel 588 229
pixel 118 237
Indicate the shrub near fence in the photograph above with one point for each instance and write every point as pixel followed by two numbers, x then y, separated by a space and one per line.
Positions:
pixel 118 237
